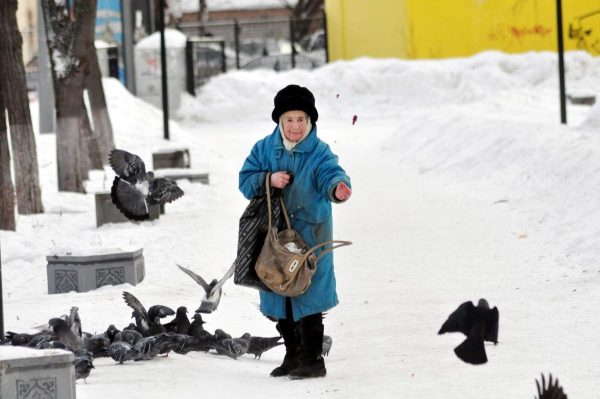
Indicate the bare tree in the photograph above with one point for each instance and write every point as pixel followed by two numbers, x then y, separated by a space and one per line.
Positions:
pixel 102 126
pixel 15 104
pixel 7 191
pixel 70 35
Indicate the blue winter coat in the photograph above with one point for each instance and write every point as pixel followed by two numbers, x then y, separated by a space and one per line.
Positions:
pixel 308 200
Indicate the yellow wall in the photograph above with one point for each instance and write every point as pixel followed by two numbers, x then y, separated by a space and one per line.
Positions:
pixel 442 28
pixel 354 28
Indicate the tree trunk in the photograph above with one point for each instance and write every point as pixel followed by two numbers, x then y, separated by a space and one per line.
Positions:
pixel 101 120
pixel 16 102
pixel 7 191
pixel 70 33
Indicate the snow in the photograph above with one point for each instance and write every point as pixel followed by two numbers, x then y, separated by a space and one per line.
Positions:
pixel 465 185
pixel 173 39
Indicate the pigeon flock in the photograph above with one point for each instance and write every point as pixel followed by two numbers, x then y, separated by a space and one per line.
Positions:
pixel 142 340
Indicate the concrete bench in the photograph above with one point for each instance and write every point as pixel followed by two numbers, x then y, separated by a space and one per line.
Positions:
pixel 175 158
pixel 107 212
pixel 34 373
pixel 83 273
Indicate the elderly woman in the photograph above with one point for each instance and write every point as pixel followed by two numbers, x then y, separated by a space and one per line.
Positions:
pixel 294 150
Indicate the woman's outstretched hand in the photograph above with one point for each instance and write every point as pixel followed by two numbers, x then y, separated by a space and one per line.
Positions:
pixel 280 179
pixel 342 191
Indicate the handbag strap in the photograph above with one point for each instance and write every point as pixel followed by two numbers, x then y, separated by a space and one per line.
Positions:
pixel 268 186
pixel 337 244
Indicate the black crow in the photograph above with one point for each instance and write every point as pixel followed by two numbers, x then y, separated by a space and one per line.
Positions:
pixel 479 323
pixel 552 391
pixel 212 292
pixel 134 190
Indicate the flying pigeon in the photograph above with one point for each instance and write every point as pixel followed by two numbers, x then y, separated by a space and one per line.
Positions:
pixel 479 323
pixel 212 291
pixel 134 190
pixel 552 391
pixel 148 322
pixel 259 345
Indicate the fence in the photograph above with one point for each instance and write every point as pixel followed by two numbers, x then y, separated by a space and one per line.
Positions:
pixel 278 44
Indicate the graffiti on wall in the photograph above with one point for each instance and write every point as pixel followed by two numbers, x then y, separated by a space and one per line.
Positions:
pixel 585 30
pixel 504 32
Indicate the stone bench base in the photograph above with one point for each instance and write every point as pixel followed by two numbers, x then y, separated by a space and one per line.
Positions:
pixel 171 159
pixel 84 273
pixel 107 212
pixel 34 373
pixel 582 99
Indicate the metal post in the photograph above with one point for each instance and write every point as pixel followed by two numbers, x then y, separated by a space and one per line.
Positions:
pixel 127 23
pixel 561 63
pixel 163 67
pixel 45 87
pixel 236 41
pixel 292 42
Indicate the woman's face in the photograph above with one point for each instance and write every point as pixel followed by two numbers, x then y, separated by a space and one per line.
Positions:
pixel 294 125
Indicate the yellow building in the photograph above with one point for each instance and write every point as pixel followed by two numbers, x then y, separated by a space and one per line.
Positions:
pixel 442 28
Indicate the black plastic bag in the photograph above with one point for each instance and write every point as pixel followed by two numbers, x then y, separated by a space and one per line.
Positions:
pixel 254 224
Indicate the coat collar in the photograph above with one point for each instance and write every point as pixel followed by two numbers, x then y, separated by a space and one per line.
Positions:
pixel 307 145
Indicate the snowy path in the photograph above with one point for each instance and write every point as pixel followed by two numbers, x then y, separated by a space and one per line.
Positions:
pixel 416 257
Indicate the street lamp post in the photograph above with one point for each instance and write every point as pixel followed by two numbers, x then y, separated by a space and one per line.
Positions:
pixel 561 63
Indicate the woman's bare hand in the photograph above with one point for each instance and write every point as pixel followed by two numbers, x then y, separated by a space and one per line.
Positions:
pixel 280 179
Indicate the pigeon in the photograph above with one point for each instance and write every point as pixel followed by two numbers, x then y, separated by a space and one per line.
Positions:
pixel 98 344
pixel 134 190
pixel 479 323
pixel 180 324
pixel 63 332
pixel 196 328
pixel 552 391
pixel 259 345
pixel 147 325
pixel 83 363
pixel 22 339
pixel 129 336
pixel 327 342
pixel 155 345
pixel 212 291
pixel 121 351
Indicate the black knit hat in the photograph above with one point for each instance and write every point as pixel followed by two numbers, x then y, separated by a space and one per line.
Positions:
pixel 292 98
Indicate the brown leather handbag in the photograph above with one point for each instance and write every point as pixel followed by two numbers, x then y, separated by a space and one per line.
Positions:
pixel 286 264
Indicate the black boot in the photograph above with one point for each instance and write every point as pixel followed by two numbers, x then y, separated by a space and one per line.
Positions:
pixel 287 329
pixel 312 364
